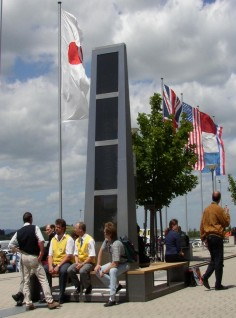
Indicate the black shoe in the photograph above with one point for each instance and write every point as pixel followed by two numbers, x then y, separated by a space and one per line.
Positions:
pixel 18 296
pixel 19 303
pixel 118 288
pixel 88 290
pixel 205 282
pixel 221 288
pixel 76 292
pixel 109 303
pixel 61 299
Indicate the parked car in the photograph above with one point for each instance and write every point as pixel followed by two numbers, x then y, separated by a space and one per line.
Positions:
pixel 197 243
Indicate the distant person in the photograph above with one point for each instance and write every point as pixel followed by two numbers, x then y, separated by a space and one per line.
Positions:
pixel 144 260
pixel 3 262
pixel 60 257
pixel 213 223
pixel 84 254
pixel 172 241
pixel 30 242
pixel 184 239
pixel 108 273
pixel 14 263
pixel 50 231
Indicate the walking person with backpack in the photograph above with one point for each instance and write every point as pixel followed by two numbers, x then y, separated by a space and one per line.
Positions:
pixel 108 273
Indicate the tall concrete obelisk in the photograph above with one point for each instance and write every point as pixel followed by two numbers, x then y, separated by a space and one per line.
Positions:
pixel 110 193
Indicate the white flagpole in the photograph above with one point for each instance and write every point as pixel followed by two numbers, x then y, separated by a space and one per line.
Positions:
pixel 59 109
pixel 162 95
pixel 185 196
pixel 1 40
pixel 200 176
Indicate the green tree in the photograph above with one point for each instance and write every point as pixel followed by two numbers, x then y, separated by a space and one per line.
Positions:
pixel 163 162
pixel 232 188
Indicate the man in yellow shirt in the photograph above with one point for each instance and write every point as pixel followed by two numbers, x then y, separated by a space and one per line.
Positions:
pixel 213 223
pixel 84 259
pixel 60 256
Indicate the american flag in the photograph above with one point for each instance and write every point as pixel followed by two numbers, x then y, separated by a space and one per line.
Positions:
pixel 171 104
pixel 195 136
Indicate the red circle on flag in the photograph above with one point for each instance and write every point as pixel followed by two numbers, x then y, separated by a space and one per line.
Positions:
pixel 73 54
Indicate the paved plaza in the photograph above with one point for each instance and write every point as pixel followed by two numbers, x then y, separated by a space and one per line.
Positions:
pixel 194 302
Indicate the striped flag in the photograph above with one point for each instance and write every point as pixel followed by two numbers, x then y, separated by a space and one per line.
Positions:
pixel 195 136
pixel 171 104
pixel 212 144
pixel 220 170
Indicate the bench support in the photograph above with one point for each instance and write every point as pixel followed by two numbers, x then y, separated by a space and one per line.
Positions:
pixel 141 287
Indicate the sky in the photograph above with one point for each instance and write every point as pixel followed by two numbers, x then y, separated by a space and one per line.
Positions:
pixel 191 44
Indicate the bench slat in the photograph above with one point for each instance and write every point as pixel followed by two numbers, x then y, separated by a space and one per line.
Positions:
pixel 156 267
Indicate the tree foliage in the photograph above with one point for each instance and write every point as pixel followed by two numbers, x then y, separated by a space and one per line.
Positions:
pixel 232 188
pixel 163 162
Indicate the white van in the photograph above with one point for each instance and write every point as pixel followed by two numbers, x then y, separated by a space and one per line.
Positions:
pixel 141 233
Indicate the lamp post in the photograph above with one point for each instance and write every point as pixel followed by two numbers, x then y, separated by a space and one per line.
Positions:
pixel 80 214
pixel 220 192
pixel 212 168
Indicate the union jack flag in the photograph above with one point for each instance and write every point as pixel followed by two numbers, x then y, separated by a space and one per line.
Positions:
pixel 171 104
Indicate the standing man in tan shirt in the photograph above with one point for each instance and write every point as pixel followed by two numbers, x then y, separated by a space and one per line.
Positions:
pixel 213 223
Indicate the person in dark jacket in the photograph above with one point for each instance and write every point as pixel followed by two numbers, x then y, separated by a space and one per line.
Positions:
pixel 50 231
pixel 173 245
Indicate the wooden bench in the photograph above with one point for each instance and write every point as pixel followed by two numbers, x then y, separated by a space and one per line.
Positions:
pixel 143 286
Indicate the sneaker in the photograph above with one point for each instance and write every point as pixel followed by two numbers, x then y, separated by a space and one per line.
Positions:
pixel 221 288
pixel 109 303
pixel 118 288
pixel 30 307
pixel 88 290
pixel 205 282
pixel 53 305
pixel 76 292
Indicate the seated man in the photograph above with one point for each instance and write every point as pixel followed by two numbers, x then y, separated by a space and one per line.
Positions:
pixel 60 256
pixel 108 273
pixel 84 259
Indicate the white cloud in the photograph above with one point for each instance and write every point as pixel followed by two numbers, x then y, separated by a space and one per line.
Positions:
pixel 190 44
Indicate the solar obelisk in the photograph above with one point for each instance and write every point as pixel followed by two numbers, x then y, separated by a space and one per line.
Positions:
pixel 110 193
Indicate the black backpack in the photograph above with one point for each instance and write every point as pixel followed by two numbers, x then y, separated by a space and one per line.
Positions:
pixel 130 253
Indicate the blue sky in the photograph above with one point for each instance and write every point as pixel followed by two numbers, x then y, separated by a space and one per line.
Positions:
pixel 191 44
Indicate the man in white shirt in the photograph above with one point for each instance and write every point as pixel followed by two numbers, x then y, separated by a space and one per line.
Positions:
pixel 29 242
pixel 84 259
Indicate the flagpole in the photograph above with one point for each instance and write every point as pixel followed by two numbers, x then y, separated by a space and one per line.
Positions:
pixel 185 196
pixel 59 109
pixel 162 95
pixel 200 171
pixel 1 40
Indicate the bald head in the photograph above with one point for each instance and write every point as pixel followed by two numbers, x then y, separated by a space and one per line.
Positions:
pixel 216 196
